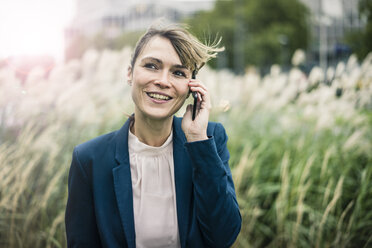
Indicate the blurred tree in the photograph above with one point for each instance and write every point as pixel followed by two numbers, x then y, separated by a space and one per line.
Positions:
pixel 360 40
pixel 128 39
pixel 262 32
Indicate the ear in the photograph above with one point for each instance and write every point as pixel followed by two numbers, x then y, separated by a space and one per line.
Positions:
pixel 129 75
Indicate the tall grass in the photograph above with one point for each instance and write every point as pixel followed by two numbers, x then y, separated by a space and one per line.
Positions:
pixel 302 187
pixel 300 156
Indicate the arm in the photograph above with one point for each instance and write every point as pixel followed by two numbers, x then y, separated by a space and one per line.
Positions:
pixel 217 208
pixel 81 227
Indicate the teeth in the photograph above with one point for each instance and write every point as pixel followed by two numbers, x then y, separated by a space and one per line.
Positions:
pixel 158 96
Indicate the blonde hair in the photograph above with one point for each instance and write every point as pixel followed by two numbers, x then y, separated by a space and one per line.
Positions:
pixel 193 53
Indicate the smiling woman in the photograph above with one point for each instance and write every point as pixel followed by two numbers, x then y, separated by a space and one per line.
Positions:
pixel 33 27
pixel 159 181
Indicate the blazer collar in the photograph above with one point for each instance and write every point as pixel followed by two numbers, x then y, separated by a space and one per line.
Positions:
pixel 183 180
pixel 123 182
pixel 121 140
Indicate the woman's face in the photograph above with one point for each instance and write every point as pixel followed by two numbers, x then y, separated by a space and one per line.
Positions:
pixel 159 80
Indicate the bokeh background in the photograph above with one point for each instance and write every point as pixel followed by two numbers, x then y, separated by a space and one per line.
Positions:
pixel 293 89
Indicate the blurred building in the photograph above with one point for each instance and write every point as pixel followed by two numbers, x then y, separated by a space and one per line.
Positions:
pixel 330 21
pixel 112 17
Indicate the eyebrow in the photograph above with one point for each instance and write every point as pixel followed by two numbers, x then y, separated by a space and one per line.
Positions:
pixel 161 62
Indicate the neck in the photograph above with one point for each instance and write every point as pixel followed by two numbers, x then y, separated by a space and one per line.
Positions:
pixel 152 132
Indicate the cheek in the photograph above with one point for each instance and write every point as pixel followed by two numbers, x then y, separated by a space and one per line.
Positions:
pixel 135 92
pixel 183 90
pixel 183 93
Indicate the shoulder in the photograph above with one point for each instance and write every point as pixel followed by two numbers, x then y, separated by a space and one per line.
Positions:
pixel 97 141
pixel 91 148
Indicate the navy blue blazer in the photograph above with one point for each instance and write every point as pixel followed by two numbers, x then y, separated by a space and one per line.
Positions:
pixel 99 210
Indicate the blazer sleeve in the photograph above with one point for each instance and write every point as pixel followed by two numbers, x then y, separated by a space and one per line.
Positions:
pixel 217 209
pixel 81 227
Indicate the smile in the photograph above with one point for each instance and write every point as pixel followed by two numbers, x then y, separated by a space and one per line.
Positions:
pixel 159 96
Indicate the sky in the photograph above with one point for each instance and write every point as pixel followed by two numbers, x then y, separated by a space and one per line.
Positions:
pixel 34 27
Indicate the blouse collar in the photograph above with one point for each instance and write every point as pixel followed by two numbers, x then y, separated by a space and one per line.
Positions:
pixel 138 147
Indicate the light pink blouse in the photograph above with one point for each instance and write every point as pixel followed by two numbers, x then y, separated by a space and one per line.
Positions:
pixel 154 198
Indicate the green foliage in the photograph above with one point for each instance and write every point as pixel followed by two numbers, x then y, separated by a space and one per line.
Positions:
pixel 263 32
pixel 360 40
pixel 297 187
pixel 127 39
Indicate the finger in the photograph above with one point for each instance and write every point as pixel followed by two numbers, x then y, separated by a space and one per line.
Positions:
pixel 205 105
pixel 195 82
pixel 198 85
pixel 199 90
pixel 203 93
pixel 198 96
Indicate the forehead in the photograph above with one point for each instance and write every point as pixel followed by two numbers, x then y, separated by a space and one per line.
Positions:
pixel 162 49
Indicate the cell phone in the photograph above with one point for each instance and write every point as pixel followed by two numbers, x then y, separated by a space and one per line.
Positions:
pixel 195 96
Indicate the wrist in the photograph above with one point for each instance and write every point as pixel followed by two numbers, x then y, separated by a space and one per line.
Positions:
pixel 193 138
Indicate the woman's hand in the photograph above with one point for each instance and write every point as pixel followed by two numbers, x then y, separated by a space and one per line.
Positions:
pixel 197 129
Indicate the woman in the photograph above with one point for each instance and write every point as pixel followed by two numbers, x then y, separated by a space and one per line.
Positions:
pixel 159 181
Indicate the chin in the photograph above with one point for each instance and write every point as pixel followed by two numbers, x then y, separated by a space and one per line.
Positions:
pixel 158 114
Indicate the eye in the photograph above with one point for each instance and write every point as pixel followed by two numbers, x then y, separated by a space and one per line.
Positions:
pixel 150 66
pixel 179 73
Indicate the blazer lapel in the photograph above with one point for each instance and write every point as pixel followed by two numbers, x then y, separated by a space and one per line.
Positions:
pixel 123 184
pixel 183 180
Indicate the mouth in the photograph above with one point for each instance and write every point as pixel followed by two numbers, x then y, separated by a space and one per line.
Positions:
pixel 158 96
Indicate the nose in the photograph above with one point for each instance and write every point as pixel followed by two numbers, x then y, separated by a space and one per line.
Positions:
pixel 163 81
